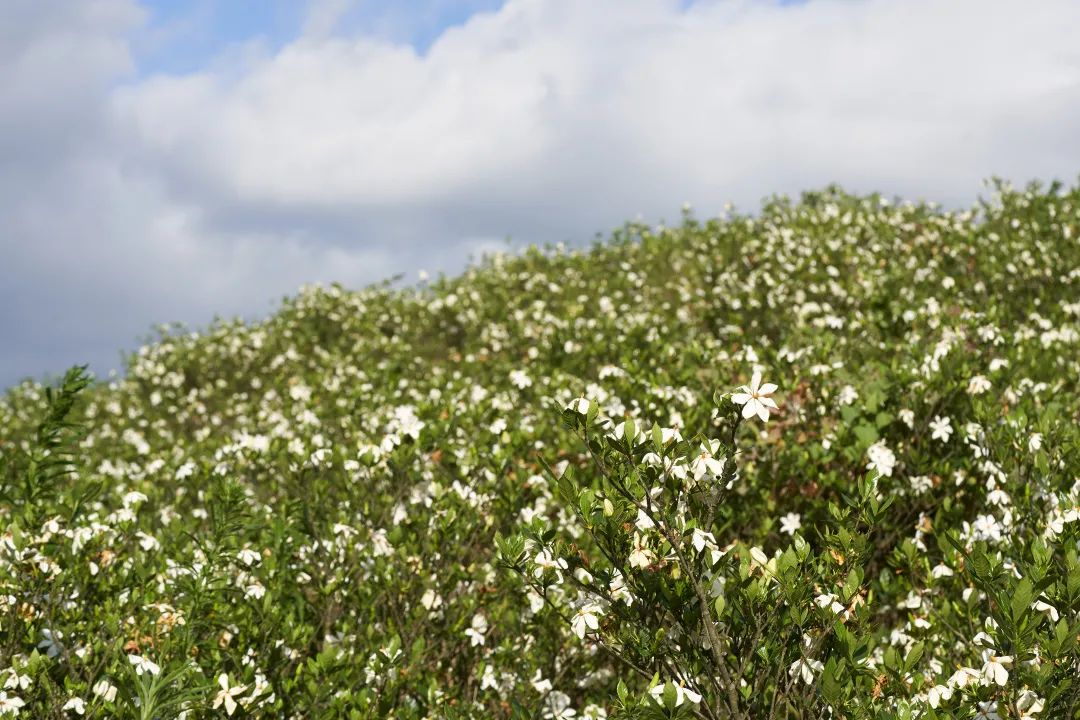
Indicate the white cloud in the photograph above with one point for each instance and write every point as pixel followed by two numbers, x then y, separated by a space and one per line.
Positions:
pixel 353 157
pixel 635 101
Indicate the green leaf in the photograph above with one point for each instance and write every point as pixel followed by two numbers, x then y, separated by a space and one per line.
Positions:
pixel 866 434
pixel 913 656
pixel 1022 595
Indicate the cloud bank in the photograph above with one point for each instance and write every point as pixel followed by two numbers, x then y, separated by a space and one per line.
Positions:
pixel 349 155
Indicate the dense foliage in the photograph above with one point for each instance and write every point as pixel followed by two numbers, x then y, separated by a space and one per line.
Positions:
pixel 822 461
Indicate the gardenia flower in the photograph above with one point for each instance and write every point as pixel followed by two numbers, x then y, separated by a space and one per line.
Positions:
pixel 882 459
pixel 704 463
pixel 847 395
pixel 1029 705
pixel 941 429
pixel 10 704
pixel 579 405
pixel 586 619
pixel 994 667
pixel 1045 607
pixel 805 669
pixel 831 601
pixel 545 561
pixel 227 695
pixel 144 665
pixel 682 693
pixel 963 677
pixel 77 704
pixel 941 570
pixel 938 693
pixel 701 539
pixel 978 385
pixel 790 523
pixel 489 681
pixel 755 398
pixel 641 555
pixel 104 690
pixel 476 632
pixel 620 431
pixel 557 706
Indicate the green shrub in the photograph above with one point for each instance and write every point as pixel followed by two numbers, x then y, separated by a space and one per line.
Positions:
pixel 545 488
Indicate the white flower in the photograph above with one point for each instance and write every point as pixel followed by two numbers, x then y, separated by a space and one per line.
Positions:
pixel 579 405
pixel 790 523
pixel 995 667
pixel 1035 442
pixel 682 693
pixel 520 379
pixel 755 398
pixel 545 561
pixel 1045 607
pixel 1029 704
pixel 227 695
pixel 963 677
pixel 489 680
pixel 937 694
pixel 77 704
pixel 882 459
pixel 641 556
pixel 9 704
pixel 249 557
pixel 133 498
pixel 941 570
pixel 430 600
pixel 977 385
pixel 557 706
pixel 987 711
pixel 144 665
pixel 700 539
pixel 705 464
pixel 586 619
pixel 617 588
pixel 540 683
pixel 477 631
pixel 847 395
pixel 830 601
pixel 941 429
pixel 148 542
pixel 805 669
pixel 105 690
pixel 619 432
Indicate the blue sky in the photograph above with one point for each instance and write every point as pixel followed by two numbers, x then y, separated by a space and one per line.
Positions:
pixel 184 35
pixel 180 36
pixel 166 161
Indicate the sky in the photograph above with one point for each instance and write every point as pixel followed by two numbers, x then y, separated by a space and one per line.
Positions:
pixel 166 161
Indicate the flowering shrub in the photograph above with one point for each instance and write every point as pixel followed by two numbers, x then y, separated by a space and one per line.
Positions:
pixel 823 461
